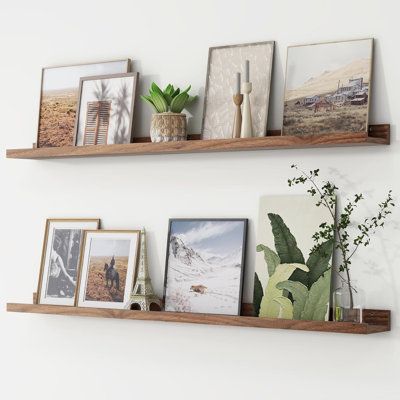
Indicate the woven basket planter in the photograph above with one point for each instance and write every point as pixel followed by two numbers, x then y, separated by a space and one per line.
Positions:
pixel 168 127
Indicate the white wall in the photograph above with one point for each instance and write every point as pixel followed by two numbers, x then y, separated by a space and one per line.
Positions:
pixel 46 357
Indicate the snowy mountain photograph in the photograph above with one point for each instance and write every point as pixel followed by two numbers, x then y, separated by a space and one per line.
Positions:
pixel 205 262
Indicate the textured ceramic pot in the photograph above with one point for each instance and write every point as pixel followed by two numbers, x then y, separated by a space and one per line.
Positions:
pixel 168 127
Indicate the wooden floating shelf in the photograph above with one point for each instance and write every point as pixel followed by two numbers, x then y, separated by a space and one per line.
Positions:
pixel 377 135
pixel 375 321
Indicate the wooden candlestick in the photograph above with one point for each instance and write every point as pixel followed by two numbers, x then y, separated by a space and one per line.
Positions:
pixel 237 122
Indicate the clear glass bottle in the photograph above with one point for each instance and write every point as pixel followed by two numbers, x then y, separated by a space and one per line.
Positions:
pixel 348 303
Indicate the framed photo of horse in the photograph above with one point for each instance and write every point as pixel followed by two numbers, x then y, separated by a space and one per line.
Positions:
pixel 60 258
pixel 108 267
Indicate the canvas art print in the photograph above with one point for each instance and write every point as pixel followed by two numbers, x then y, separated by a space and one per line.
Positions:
pixel 204 268
pixel 292 275
pixel 108 268
pixel 60 258
pixel 223 64
pixel 328 88
pixel 59 99
pixel 105 110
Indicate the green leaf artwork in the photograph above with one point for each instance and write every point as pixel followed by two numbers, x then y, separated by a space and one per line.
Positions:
pixel 270 308
pixel 287 286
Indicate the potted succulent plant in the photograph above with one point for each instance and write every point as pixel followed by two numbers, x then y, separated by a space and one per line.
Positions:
pixel 168 123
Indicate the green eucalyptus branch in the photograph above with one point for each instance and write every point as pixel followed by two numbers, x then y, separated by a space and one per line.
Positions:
pixel 326 194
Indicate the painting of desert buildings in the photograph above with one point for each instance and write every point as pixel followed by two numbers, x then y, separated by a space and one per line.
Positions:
pixel 107 270
pixel 327 88
pixel 59 99
pixel 205 266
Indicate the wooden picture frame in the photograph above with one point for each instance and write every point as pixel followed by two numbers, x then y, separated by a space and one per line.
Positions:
pixel 90 68
pixel 57 265
pixel 226 114
pixel 110 287
pixel 102 98
pixel 331 101
pixel 214 264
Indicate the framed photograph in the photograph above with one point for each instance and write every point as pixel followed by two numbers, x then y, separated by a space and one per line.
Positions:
pixel 59 99
pixel 328 88
pixel 223 64
pixel 292 274
pixel 105 109
pixel 60 259
pixel 108 267
pixel 204 266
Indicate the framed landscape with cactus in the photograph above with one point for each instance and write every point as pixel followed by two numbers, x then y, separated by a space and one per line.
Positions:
pixel 292 274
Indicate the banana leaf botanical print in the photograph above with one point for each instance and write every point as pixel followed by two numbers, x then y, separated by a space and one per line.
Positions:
pixel 293 274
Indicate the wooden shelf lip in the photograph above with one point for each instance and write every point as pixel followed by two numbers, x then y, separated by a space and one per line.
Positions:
pixel 377 135
pixel 378 320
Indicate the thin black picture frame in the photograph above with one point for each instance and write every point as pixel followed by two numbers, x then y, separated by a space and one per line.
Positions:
pixel 243 260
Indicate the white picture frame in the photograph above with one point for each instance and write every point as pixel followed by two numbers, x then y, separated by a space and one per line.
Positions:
pixel 96 288
pixel 60 260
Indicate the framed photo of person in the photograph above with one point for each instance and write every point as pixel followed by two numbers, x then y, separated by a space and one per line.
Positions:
pixel 108 266
pixel 60 259
pixel 105 109
pixel 59 96
pixel 204 266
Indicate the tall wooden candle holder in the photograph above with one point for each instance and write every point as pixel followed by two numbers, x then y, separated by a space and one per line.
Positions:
pixel 237 122
pixel 247 125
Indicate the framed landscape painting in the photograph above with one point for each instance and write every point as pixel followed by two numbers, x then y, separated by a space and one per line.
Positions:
pixel 60 259
pixel 59 99
pixel 293 273
pixel 204 266
pixel 223 64
pixel 105 109
pixel 328 88
pixel 107 268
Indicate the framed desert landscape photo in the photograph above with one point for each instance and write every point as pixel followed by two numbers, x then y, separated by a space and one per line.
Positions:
pixel 59 99
pixel 223 64
pixel 204 266
pixel 105 109
pixel 328 88
pixel 107 268
pixel 292 274
pixel 60 259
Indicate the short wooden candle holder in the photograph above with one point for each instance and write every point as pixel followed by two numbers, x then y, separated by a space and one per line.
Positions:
pixel 237 122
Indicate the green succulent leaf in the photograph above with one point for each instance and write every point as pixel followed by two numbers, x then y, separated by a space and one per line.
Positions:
pixel 285 307
pixel 318 261
pixel 169 90
pixel 156 89
pixel 271 258
pixel 317 302
pixel 269 307
pixel 299 293
pixel 176 92
pixel 187 89
pixel 159 102
pixel 149 101
pixel 178 103
pixel 168 98
pixel 258 294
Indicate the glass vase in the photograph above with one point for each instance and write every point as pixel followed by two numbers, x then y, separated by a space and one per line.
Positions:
pixel 348 303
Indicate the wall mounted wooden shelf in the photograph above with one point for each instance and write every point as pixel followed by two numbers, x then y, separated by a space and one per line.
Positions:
pixel 375 321
pixel 377 135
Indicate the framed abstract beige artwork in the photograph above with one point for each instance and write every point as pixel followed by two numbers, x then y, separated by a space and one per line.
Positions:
pixel 224 63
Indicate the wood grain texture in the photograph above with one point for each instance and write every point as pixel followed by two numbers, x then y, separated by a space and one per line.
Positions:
pixel 382 322
pixel 378 135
